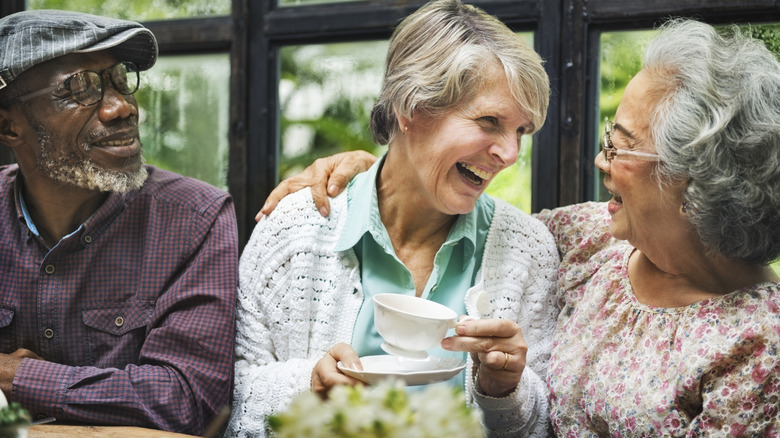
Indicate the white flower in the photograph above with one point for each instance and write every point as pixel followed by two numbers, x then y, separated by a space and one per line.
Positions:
pixel 385 411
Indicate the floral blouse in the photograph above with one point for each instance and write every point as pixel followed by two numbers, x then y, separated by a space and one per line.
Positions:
pixel 620 368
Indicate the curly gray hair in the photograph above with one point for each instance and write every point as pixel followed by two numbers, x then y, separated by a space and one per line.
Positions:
pixel 717 125
pixel 436 60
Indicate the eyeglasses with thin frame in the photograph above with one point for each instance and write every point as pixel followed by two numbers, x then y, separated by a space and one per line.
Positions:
pixel 611 152
pixel 87 87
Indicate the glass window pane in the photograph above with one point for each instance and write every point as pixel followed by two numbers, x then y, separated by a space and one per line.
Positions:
pixel 326 94
pixel 184 115
pixel 138 10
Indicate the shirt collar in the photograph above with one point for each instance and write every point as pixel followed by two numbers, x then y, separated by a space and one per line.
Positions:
pixel 362 192
pixel 115 202
pixel 26 214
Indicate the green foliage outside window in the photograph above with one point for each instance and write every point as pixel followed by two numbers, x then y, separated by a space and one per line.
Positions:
pixel 138 10
pixel 184 116
pixel 326 94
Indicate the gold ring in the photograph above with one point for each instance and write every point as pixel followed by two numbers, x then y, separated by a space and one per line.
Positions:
pixel 506 362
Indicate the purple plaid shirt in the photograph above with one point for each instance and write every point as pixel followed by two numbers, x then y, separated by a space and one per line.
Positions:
pixel 133 312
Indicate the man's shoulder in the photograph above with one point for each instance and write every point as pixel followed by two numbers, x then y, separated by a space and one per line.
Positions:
pixel 170 187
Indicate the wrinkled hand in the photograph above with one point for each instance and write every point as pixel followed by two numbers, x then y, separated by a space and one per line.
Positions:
pixel 9 363
pixel 497 347
pixel 326 374
pixel 326 176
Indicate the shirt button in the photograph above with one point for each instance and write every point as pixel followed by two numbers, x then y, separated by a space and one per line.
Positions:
pixel 119 321
pixel 88 239
pixel 49 269
pixel 49 333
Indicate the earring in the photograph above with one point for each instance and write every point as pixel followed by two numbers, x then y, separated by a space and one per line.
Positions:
pixel 684 207
pixel 406 128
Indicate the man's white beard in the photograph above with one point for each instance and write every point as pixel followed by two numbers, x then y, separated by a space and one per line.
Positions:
pixel 86 175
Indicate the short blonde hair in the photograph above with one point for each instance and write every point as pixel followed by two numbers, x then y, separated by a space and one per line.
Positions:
pixel 437 59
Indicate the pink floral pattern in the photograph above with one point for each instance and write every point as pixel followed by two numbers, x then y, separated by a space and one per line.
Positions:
pixel 620 368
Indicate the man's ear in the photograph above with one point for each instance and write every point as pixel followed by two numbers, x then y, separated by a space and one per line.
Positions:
pixel 9 128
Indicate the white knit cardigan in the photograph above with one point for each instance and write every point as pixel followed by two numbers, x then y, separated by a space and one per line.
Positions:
pixel 297 298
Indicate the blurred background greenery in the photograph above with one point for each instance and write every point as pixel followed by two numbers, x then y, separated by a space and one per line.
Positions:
pixel 138 10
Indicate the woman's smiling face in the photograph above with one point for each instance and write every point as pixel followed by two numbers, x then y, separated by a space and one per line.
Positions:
pixel 451 159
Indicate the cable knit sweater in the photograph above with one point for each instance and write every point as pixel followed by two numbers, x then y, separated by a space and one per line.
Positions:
pixel 297 298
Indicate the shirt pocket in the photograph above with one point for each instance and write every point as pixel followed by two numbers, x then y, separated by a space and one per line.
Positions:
pixel 7 337
pixel 116 332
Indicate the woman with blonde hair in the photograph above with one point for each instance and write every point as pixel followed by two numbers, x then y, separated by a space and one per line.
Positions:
pixel 460 90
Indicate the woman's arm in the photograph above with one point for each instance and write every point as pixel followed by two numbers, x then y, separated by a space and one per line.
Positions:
pixel 291 309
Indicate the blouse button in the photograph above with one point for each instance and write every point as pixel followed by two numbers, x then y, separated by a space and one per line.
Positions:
pixel 88 239
pixel 119 321
pixel 49 333
pixel 49 269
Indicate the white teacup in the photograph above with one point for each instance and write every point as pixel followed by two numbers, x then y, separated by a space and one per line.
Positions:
pixel 411 325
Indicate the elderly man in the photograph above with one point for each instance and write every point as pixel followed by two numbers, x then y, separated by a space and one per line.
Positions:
pixel 117 279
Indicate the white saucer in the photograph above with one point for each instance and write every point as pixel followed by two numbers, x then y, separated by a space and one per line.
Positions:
pixel 411 371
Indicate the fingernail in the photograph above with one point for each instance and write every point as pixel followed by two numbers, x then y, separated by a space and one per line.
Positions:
pixel 323 211
pixel 332 189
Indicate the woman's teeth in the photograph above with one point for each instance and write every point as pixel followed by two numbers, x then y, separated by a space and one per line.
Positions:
pixel 473 173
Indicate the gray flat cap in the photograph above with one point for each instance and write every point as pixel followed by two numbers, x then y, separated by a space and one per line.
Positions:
pixel 31 37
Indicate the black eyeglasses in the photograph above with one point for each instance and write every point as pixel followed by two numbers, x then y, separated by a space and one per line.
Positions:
pixel 610 152
pixel 87 87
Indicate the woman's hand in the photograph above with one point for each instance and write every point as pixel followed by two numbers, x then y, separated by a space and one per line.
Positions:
pixel 333 173
pixel 326 374
pixel 497 347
